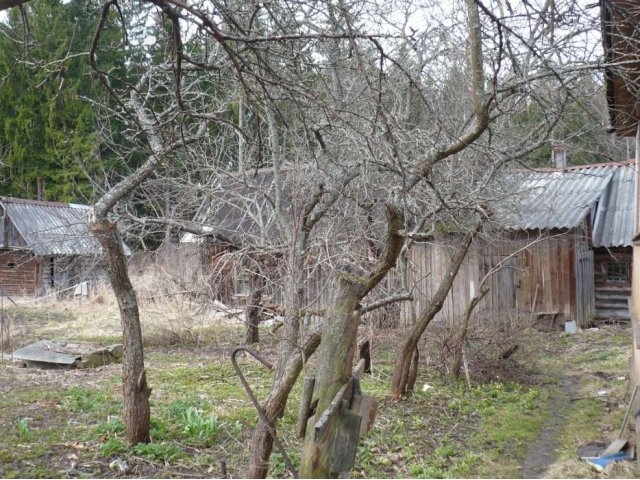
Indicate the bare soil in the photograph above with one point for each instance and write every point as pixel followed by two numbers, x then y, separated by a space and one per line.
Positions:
pixel 544 450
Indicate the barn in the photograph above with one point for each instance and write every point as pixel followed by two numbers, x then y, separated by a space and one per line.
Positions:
pixel 564 252
pixel 45 246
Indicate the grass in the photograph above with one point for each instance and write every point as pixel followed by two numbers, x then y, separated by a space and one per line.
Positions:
pixel 61 420
pixel 24 432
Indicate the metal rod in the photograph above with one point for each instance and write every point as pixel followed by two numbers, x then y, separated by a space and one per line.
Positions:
pixel 256 404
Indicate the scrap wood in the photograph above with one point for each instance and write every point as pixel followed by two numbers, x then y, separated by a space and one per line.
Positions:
pixel 626 415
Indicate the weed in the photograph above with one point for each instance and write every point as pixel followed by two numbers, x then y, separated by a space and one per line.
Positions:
pixel 200 427
pixel 110 427
pixel 113 446
pixel 178 408
pixel 425 470
pixel 162 451
pixel 24 432
pixel 277 467
pixel 237 427
pixel 159 429
pixel 84 400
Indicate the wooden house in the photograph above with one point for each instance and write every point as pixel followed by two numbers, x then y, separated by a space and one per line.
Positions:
pixel 564 251
pixel 45 246
pixel 621 37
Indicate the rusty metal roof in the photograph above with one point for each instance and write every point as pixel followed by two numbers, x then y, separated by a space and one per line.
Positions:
pixel 52 228
pixel 563 199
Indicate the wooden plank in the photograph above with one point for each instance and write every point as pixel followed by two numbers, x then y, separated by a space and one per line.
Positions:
pixel 324 421
pixel 345 442
pixel 305 405
pixel 367 407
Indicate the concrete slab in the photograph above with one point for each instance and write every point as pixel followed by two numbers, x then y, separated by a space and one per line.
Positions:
pixel 66 354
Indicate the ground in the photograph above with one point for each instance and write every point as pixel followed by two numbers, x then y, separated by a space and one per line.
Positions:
pixel 522 418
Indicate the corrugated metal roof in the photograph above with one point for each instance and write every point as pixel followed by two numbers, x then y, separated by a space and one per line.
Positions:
pixel 559 199
pixel 52 228
pixel 613 226
pixel 562 199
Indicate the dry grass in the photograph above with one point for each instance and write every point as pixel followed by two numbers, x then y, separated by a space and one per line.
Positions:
pixel 168 316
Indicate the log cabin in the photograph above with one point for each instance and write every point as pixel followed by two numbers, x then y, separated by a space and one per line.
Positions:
pixel 45 246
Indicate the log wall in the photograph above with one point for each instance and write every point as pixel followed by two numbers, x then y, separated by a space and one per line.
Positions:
pixel 19 273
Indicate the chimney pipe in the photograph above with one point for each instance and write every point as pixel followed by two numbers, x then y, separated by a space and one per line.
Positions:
pixel 559 156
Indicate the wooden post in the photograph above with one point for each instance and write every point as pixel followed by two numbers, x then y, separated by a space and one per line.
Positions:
pixel 305 405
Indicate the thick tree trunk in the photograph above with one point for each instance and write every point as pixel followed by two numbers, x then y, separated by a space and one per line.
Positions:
pixel 136 411
pixel 340 331
pixel 402 368
pixel 290 358
pixel 253 311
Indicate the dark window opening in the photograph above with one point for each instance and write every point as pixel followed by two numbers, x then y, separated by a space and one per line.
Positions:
pixel 11 265
pixel 617 272
pixel 242 284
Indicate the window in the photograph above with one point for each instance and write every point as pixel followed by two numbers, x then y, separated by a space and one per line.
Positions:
pixel 617 272
pixel 11 265
pixel 243 284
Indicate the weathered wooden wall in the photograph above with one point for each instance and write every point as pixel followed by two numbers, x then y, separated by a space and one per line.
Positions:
pixel 19 272
pixel 540 278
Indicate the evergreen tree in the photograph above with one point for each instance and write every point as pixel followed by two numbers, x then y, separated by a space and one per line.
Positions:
pixel 48 134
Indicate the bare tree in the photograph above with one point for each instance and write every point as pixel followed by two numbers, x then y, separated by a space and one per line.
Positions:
pixel 424 99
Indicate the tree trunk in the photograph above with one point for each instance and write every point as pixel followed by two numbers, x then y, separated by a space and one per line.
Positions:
pixel 340 331
pixel 253 311
pixel 456 363
pixel 288 367
pixel 261 442
pixel 136 411
pixel 402 368
pixel 413 373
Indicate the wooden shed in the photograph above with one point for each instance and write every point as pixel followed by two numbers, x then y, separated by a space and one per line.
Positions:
pixel 566 251
pixel 45 246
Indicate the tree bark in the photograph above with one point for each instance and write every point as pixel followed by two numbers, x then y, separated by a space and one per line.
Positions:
pixel 413 372
pixel 253 311
pixel 402 366
pixel 136 412
pixel 340 331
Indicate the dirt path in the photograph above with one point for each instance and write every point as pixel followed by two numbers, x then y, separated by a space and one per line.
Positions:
pixel 543 452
